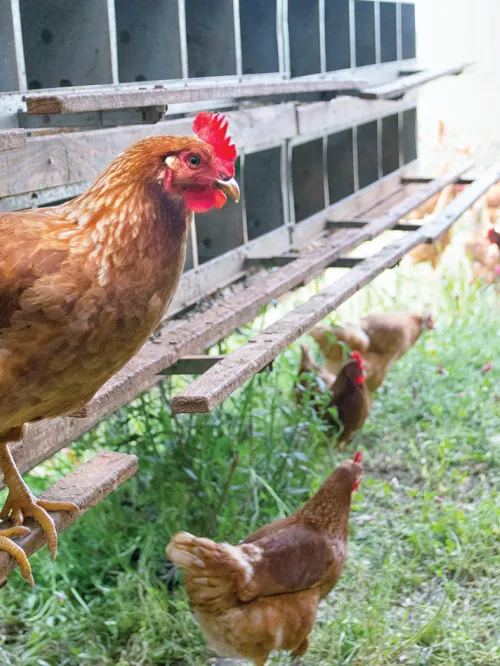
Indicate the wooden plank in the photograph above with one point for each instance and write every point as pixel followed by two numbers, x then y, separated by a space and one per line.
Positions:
pixel 86 486
pixel 193 335
pixel 14 138
pixel 124 98
pixel 397 88
pixel 443 221
pixel 219 382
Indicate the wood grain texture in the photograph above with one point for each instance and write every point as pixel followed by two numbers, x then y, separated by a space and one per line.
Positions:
pixel 193 335
pixel 87 486
pixel 68 158
pixel 14 138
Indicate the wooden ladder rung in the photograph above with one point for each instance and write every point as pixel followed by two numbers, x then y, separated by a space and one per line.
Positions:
pixel 397 88
pixel 86 486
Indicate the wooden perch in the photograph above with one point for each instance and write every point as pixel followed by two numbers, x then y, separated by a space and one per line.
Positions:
pixel 126 98
pixel 398 87
pixel 87 486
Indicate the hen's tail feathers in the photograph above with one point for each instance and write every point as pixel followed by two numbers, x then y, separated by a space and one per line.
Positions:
pixel 212 571
pixel 348 334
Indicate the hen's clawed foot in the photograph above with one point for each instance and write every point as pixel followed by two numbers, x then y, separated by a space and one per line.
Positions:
pixel 16 551
pixel 21 504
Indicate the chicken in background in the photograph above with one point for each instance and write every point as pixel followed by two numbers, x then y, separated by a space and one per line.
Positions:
pixel 349 400
pixel 432 252
pixel 311 376
pixel 494 237
pixel 82 286
pixel 484 254
pixel 382 339
pixel 263 594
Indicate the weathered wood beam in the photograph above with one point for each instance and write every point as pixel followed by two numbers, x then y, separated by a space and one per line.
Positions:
pixel 222 380
pixel 86 486
pixel 399 87
pixel 124 98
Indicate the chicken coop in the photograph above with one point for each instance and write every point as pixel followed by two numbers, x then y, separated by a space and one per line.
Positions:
pixel 321 98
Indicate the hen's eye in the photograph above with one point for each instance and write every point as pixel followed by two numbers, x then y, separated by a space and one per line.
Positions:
pixel 194 160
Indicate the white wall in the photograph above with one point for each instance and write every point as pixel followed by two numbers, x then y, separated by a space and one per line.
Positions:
pixel 451 31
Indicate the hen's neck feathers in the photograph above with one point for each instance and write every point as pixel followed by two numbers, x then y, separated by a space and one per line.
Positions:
pixel 124 219
pixel 328 510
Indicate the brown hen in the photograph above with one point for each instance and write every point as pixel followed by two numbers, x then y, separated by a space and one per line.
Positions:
pixel 263 594
pixel 381 338
pixel 82 286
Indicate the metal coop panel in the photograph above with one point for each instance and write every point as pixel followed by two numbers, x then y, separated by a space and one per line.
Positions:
pixel 408 31
pixel 304 36
pixel 9 78
pixel 364 13
pixel 340 165
pixel 307 179
pixel 390 144
pixel 210 38
pixel 259 41
pixel 148 37
pixel 219 231
pixel 263 192
pixel 388 32
pixel 367 140
pixel 66 43
pixel 409 135
pixel 337 35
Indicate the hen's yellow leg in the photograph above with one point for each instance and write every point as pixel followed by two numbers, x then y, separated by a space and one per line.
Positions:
pixel 22 503
pixel 16 551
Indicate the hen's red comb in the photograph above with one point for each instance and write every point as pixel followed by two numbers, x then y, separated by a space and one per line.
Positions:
pixel 492 233
pixel 359 359
pixel 212 128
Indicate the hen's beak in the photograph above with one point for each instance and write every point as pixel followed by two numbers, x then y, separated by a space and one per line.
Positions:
pixel 229 187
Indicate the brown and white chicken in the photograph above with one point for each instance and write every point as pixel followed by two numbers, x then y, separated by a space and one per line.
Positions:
pixel 263 594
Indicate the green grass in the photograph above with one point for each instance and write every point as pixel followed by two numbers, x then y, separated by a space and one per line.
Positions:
pixel 422 582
